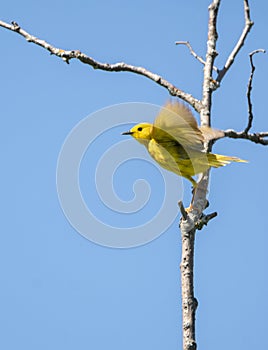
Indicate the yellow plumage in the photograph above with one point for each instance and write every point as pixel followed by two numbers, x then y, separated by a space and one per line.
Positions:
pixel 177 143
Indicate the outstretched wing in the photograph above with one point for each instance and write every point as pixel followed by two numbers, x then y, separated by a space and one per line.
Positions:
pixel 176 124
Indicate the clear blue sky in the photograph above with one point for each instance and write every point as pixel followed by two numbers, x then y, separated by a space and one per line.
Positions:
pixel 60 290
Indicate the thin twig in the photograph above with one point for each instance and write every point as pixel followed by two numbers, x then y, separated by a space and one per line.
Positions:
pixel 116 67
pixel 182 210
pixel 239 44
pixel 259 137
pixel 193 53
pixel 204 220
pixel 250 113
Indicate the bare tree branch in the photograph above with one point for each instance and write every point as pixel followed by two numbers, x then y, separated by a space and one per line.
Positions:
pixel 258 137
pixel 210 58
pixel 203 221
pixel 116 67
pixel 250 113
pixel 199 202
pixel 239 44
pixel 183 211
pixel 193 53
pixel 193 218
pixel 189 302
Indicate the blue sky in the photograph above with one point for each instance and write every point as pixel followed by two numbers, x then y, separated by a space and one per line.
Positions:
pixel 60 290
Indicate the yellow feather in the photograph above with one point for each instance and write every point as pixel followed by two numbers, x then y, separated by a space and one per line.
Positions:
pixel 177 143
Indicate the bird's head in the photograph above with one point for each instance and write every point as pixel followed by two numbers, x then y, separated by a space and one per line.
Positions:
pixel 141 132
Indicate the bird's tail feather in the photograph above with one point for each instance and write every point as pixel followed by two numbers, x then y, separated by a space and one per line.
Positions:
pixel 218 160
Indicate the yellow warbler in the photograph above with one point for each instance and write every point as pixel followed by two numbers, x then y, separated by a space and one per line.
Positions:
pixel 177 143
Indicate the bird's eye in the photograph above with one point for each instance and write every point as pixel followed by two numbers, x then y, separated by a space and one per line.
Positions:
pixel 140 128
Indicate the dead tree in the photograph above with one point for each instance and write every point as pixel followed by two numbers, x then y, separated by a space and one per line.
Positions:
pixel 193 219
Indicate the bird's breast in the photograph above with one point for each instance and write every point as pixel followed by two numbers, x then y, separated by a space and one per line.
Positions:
pixel 163 155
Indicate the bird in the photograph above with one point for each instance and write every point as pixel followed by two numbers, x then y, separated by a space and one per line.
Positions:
pixel 176 142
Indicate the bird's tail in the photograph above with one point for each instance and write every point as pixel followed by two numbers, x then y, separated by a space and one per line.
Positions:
pixel 218 160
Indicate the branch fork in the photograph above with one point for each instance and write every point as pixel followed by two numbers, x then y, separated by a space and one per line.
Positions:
pixel 194 218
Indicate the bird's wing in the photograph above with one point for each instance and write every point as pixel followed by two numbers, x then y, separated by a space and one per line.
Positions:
pixel 176 123
pixel 211 134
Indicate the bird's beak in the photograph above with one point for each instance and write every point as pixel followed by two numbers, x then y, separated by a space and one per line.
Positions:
pixel 127 133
